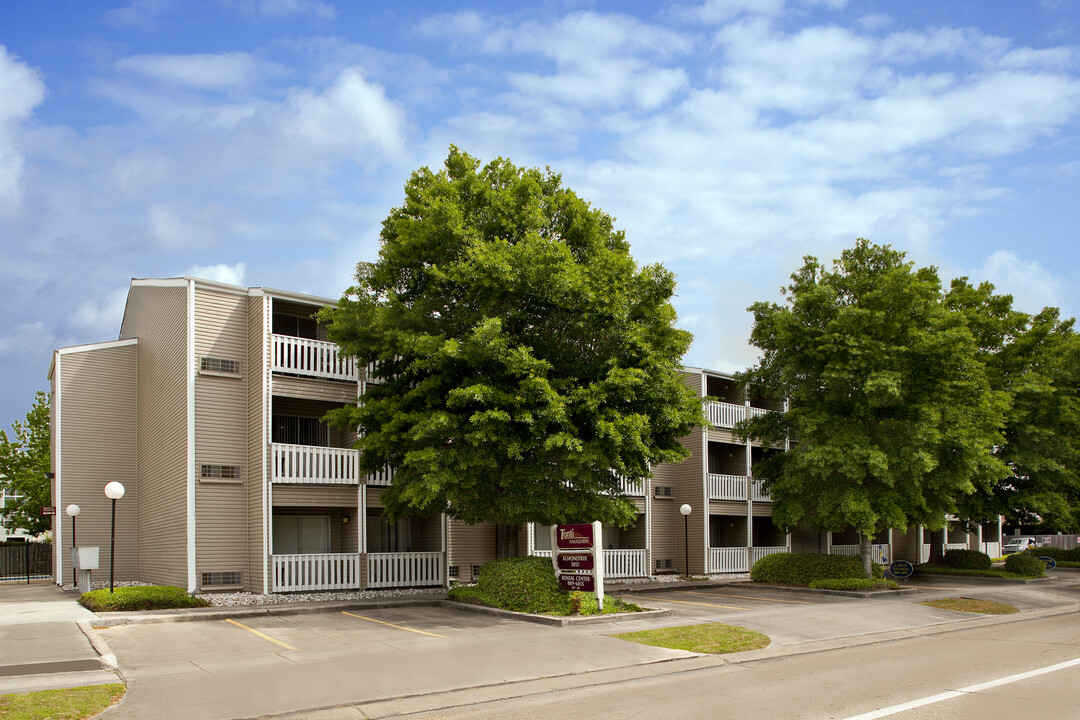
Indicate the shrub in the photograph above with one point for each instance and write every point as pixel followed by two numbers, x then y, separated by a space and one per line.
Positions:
pixel 802 569
pixel 967 560
pixel 1059 554
pixel 1025 564
pixel 523 584
pixel 140 597
pixel 850 584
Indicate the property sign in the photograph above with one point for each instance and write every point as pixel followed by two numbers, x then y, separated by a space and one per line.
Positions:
pixel 574 537
pixel 1049 562
pixel 575 561
pixel 48 510
pixel 577 581
pixel 901 569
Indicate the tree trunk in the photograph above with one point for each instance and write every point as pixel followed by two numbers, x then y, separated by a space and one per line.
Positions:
pixel 937 547
pixel 865 550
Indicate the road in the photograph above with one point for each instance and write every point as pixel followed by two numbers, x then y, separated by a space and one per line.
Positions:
pixel 844 683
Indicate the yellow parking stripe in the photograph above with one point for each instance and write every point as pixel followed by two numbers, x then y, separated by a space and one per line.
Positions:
pixel 264 636
pixel 381 622
pixel 747 597
pixel 687 602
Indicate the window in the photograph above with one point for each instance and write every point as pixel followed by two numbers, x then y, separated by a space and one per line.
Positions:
pixel 219 365
pixel 301 534
pixel 293 326
pixel 385 536
pixel 293 430
pixel 219 472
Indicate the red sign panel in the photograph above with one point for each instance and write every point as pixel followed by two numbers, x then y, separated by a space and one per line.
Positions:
pixel 48 510
pixel 575 561
pixel 574 537
pixel 584 583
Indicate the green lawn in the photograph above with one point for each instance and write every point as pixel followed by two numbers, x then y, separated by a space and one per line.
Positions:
pixel 963 604
pixel 713 638
pixel 70 704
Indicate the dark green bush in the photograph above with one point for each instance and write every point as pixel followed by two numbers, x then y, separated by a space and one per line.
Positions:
pixel 803 569
pixel 851 584
pixel 1059 554
pixel 523 584
pixel 1025 564
pixel 140 597
pixel 967 560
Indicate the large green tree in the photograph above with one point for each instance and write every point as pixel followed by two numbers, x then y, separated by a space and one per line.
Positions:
pixel 528 366
pixel 24 460
pixel 893 415
pixel 1035 359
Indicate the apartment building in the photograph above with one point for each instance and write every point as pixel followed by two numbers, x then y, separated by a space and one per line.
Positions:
pixel 208 409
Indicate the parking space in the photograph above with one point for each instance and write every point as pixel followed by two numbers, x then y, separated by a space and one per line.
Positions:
pixel 724 600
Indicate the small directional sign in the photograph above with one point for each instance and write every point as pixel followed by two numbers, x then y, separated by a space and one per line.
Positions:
pixel 901 569
pixel 1049 562
pixel 48 510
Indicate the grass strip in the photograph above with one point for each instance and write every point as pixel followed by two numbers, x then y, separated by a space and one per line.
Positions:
pixel 971 605
pixel 68 704
pixel 712 638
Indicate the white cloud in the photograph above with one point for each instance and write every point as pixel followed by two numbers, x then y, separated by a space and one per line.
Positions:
pixel 1032 286
pixel 138 14
pixel 716 12
pixel 230 274
pixel 281 9
pixel 203 71
pixel 22 90
pixel 100 317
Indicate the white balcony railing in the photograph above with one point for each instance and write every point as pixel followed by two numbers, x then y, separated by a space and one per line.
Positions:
pixel 727 487
pixel 621 563
pixel 633 488
pixel 404 569
pixel 956 546
pixel 309 465
pixel 878 551
pixel 728 559
pixel 726 415
pixel 383 477
pixel 324 571
pixel 993 549
pixel 311 358
pixel 756 553
pixel 757 492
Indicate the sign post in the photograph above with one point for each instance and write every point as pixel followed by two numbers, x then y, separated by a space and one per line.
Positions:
pixel 578 557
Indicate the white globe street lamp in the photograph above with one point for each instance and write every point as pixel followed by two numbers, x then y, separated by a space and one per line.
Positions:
pixel 686 510
pixel 73 512
pixel 114 491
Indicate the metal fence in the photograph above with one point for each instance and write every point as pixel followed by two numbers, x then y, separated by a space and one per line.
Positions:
pixel 25 561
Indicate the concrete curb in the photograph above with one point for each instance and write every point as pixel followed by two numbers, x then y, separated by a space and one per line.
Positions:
pixel 553 620
pixel 101 647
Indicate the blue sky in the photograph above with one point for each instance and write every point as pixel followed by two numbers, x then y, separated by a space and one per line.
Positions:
pixel 261 142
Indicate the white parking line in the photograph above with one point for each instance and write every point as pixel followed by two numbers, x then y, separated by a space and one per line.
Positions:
pixel 931 699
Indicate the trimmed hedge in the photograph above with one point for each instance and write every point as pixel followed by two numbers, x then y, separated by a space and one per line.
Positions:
pixel 1026 564
pixel 140 597
pixel 522 584
pixel 1058 553
pixel 967 560
pixel 855 584
pixel 803 569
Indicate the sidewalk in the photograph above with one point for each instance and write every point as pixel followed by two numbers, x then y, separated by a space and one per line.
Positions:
pixel 42 644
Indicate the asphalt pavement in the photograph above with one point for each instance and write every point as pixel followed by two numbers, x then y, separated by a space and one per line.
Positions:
pixel 380 658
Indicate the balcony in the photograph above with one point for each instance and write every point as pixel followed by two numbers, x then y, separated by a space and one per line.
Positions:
pixel 310 465
pixel 727 487
pixel 757 492
pixel 878 551
pixel 621 563
pixel 321 571
pixel 311 358
pixel 405 569
pixel 728 559
pixel 726 415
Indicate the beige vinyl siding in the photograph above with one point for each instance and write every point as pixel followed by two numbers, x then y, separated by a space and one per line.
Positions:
pixel 255 481
pixel 98 427
pixel 724 435
pixel 728 507
pixel 333 391
pixel 472 545
pixel 221 432
pixel 157 316
pixel 761 509
pixel 665 518
pixel 805 539
pixel 690 489
pixel 315 496
pixel 695 381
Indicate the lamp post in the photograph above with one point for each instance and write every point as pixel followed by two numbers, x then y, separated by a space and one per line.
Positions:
pixel 114 491
pixel 685 510
pixel 73 512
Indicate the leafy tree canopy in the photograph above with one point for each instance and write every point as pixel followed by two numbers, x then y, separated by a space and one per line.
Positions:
pixel 1035 359
pixel 892 410
pixel 527 364
pixel 24 460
